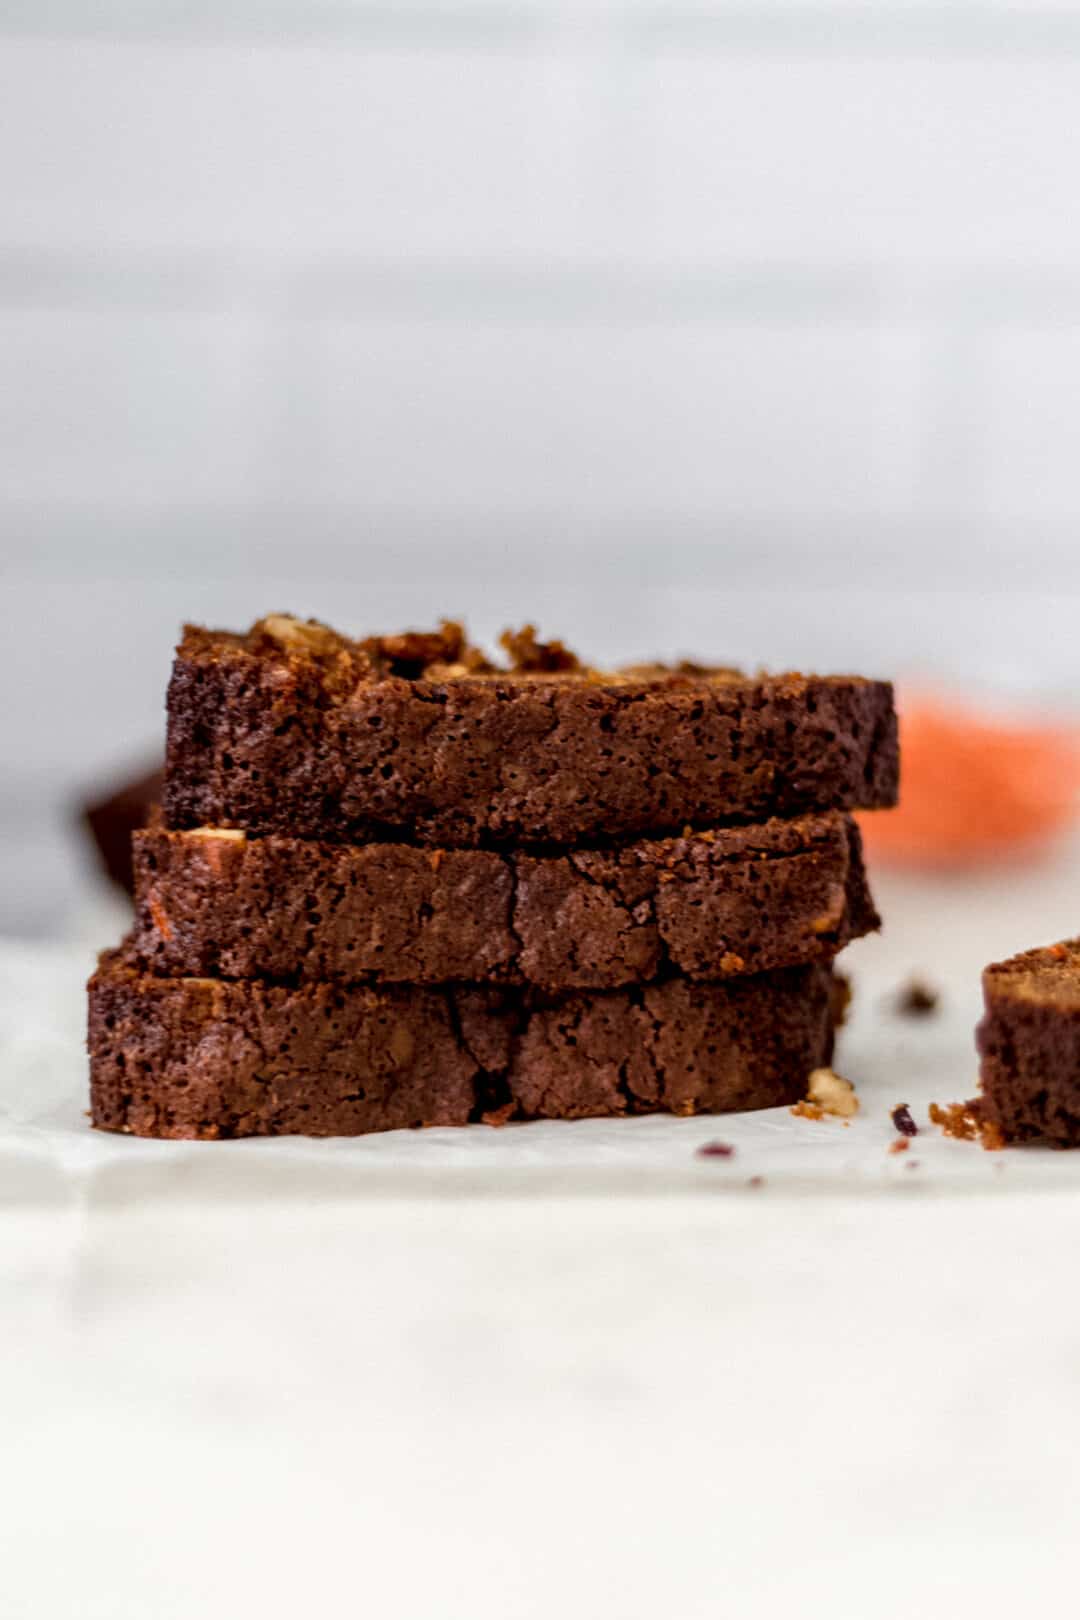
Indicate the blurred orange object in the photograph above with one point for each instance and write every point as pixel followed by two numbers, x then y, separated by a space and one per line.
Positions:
pixel 974 789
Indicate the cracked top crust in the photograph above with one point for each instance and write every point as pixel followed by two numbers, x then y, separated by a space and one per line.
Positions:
pixel 295 729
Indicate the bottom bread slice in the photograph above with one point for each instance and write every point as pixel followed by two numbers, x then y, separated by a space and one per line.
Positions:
pixel 203 1058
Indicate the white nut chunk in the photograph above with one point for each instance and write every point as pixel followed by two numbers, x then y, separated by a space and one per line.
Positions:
pixel 832 1093
pixel 830 919
pixel 302 634
pixel 227 835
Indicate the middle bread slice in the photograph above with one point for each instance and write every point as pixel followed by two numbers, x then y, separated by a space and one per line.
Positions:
pixel 215 902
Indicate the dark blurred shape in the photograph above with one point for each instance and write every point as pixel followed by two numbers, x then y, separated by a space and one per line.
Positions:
pixel 112 821
pixel 975 788
pixel 917 999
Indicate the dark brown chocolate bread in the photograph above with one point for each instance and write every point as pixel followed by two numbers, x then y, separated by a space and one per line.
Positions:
pixel 215 1058
pixel 216 903
pixel 1029 1043
pixel 296 730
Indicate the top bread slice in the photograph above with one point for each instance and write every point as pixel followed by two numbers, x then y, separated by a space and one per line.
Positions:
pixel 294 729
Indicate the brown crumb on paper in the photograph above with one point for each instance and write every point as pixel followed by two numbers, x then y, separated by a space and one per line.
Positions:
pixel 918 999
pixel 955 1120
pixel 965 1122
pixel 899 1144
pixel 807 1110
pixel 904 1123
pixel 715 1150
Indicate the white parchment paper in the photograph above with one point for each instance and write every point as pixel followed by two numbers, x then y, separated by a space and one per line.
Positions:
pixel 550 1370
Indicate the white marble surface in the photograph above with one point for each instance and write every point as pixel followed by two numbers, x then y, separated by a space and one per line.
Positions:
pixel 551 1369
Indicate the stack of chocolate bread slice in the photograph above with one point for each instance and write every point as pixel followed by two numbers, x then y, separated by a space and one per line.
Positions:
pixel 393 885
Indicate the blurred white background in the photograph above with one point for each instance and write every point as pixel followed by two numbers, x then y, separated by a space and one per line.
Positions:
pixel 745 329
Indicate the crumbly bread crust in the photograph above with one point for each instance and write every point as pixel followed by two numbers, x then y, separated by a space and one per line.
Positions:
pixel 201 1058
pixel 294 729
pixel 739 900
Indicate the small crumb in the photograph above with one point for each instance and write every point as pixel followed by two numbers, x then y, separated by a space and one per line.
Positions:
pixel 731 962
pixel 899 1144
pixel 954 1120
pixel 917 999
pixel 807 1110
pixel 716 1150
pixel 498 1116
pixel 913 1164
pixel 832 1093
pixel 966 1122
pixel 531 656
pixel 901 1118
pixel 756 1181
